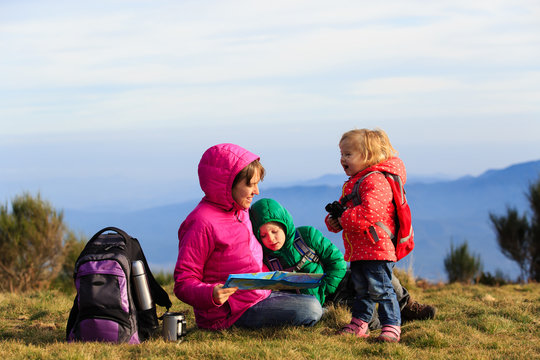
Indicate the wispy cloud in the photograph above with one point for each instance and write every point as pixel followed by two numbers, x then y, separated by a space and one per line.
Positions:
pixel 78 67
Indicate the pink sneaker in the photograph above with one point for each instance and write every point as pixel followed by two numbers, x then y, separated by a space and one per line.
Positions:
pixel 390 333
pixel 356 327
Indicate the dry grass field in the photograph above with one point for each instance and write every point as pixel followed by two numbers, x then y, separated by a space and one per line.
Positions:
pixel 473 322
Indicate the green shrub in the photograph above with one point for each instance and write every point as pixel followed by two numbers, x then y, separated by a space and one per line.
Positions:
pixel 31 242
pixel 462 266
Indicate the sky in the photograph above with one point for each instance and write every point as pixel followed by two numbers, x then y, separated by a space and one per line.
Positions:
pixel 117 99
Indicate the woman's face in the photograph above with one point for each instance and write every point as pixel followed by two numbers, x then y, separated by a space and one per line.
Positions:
pixel 272 236
pixel 243 193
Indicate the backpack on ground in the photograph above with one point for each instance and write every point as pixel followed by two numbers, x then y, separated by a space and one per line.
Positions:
pixel 345 293
pixel 105 307
pixel 404 238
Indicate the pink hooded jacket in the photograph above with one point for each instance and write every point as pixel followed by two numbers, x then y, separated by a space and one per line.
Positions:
pixel 215 240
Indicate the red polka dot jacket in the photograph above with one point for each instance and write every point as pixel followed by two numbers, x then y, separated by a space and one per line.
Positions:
pixel 376 205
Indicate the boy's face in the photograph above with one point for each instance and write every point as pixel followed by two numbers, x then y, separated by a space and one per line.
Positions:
pixel 272 236
pixel 351 159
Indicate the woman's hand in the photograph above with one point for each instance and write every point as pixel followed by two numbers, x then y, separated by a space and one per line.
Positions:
pixel 221 295
pixel 334 224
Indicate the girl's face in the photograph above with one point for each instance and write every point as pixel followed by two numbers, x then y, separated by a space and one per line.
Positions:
pixel 351 159
pixel 272 236
pixel 243 193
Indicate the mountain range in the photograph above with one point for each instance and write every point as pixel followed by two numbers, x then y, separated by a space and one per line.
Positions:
pixel 444 211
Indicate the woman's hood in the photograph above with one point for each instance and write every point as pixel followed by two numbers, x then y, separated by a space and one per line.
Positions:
pixel 218 167
pixel 267 210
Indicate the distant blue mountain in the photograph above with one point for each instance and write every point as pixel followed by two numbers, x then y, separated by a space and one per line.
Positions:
pixel 443 212
pixel 333 179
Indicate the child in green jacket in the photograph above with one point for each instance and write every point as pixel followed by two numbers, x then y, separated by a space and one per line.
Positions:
pixel 284 245
pixel 274 228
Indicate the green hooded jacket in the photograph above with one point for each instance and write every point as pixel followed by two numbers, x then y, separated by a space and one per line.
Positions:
pixel 331 260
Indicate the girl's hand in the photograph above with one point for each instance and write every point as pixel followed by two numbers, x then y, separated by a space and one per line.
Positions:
pixel 221 295
pixel 335 224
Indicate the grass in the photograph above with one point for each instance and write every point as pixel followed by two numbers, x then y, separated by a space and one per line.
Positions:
pixel 473 322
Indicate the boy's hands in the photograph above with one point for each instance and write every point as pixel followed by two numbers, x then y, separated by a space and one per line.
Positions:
pixel 221 295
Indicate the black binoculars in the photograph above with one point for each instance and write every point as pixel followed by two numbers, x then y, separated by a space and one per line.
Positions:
pixel 335 209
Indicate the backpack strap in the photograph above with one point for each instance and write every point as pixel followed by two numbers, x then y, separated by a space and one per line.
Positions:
pixel 385 228
pixel 355 197
pixel 355 194
pixel 73 314
pixel 308 255
pixel 397 179
pixel 159 294
pixel 111 228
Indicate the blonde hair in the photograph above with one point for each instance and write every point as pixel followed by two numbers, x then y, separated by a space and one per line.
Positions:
pixel 373 144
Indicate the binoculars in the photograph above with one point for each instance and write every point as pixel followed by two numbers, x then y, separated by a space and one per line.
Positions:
pixel 335 209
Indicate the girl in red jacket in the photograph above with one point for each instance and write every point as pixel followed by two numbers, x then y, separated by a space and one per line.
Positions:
pixel 367 246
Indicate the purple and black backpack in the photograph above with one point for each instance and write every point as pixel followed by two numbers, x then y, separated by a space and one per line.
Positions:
pixel 104 308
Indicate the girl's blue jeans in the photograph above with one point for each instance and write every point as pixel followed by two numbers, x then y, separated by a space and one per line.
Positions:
pixel 373 284
pixel 282 308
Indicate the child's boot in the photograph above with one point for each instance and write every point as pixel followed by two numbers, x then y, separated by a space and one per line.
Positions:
pixel 416 311
pixel 356 327
pixel 390 333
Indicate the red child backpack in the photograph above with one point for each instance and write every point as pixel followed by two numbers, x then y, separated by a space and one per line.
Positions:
pixel 404 238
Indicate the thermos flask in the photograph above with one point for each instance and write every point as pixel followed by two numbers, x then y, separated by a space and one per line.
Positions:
pixel 143 296
pixel 174 326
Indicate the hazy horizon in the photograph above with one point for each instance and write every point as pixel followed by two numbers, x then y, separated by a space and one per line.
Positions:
pixel 117 97
pixel 130 197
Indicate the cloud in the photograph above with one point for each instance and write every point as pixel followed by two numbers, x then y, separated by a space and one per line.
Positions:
pixel 404 85
pixel 147 64
pixel 455 96
pixel 186 43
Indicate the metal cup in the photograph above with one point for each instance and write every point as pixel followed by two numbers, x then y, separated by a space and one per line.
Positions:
pixel 174 326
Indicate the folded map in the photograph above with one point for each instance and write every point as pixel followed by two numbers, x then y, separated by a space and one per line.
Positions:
pixel 274 280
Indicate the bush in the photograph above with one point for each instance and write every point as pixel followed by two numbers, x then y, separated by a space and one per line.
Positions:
pixel 72 249
pixel 492 280
pixel 36 248
pixel 164 278
pixel 31 243
pixel 519 237
pixel 461 266
pixel 406 277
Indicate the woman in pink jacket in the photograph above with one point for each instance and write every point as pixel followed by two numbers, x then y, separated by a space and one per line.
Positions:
pixel 216 239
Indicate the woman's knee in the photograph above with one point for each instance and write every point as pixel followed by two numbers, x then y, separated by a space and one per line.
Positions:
pixel 313 311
